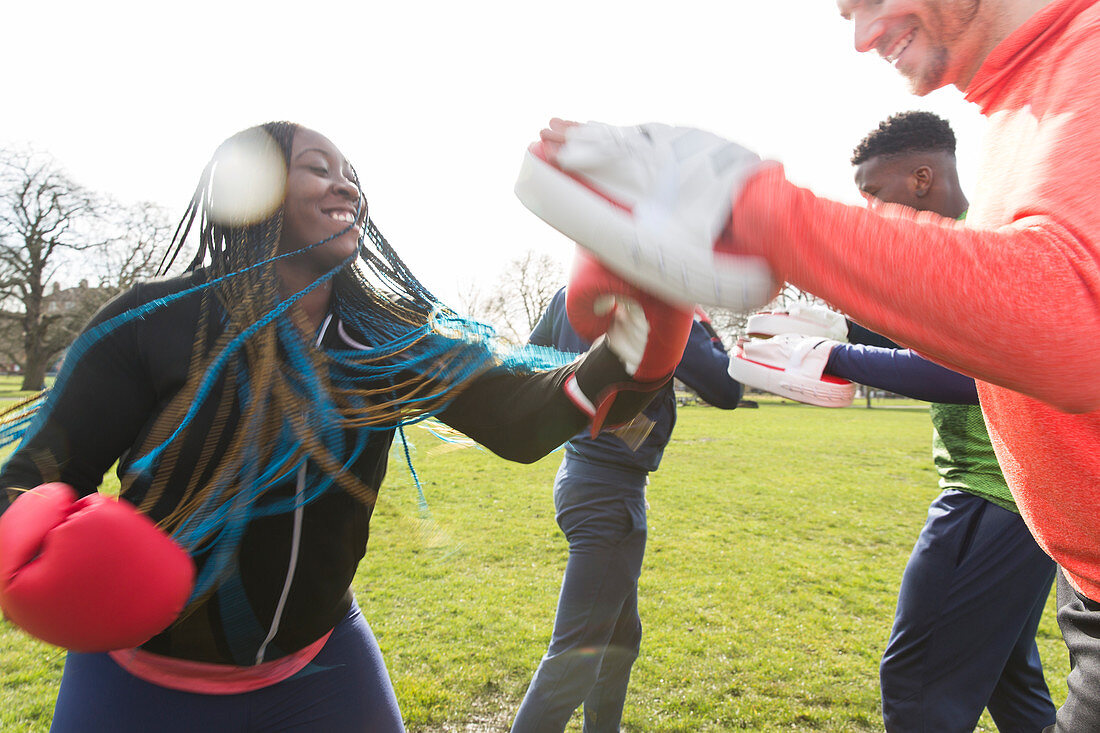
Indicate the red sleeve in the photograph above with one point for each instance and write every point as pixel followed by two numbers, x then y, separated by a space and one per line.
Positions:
pixel 1015 306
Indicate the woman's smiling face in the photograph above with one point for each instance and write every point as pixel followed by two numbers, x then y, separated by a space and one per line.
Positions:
pixel 322 199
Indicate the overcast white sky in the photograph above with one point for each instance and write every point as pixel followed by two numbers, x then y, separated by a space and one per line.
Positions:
pixel 435 101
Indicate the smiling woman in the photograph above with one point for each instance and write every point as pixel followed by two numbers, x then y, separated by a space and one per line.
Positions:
pixel 252 402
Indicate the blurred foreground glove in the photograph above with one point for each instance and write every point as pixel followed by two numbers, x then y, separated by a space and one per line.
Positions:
pixel 651 203
pixel 791 365
pixel 647 335
pixel 89 574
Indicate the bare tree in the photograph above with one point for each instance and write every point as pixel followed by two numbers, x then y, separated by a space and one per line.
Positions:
pixel 523 291
pixel 51 228
pixel 730 324
pixel 139 235
pixel 44 216
pixel 472 300
pixel 790 295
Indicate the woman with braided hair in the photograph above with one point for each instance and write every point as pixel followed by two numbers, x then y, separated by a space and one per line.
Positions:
pixel 251 404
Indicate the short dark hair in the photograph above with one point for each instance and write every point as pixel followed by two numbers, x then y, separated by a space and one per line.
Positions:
pixel 907 132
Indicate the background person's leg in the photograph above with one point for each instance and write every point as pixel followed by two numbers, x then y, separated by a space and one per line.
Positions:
pixel 1021 701
pixel 603 708
pixel 970 587
pixel 600 575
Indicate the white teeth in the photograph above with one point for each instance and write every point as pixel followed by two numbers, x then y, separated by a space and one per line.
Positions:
pixel 342 216
pixel 899 47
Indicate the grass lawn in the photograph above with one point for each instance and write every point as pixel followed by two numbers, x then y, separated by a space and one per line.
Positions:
pixel 10 386
pixel 777 537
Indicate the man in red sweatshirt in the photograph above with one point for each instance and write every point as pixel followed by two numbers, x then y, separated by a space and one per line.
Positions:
pixel 1010 297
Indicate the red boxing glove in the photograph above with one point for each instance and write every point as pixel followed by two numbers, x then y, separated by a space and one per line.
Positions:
pixel 89 574
pixel 646 334
pixel 649 337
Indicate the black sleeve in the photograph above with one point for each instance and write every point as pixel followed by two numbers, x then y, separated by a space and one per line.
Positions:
pixel 98 405
pixel 523 417
pixel 705 368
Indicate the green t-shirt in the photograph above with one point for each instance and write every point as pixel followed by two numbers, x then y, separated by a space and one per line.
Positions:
pixel 964 456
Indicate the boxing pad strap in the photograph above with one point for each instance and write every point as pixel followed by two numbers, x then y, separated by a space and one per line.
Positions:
pixel 601 388
pixel 647 334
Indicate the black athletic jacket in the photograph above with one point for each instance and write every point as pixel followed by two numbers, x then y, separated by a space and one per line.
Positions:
pixel 114 393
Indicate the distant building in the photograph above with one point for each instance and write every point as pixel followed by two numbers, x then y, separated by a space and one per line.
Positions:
pixel 75 305
pixel 74 300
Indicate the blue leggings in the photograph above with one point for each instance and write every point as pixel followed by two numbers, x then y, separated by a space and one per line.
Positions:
pixel 345 689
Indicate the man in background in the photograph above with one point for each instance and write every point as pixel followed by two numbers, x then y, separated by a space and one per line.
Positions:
pixel 976 583
pixel 600 505
pixel 1010 298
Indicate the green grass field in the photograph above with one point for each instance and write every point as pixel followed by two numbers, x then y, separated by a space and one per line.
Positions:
pixel 10 387
pixel 777 537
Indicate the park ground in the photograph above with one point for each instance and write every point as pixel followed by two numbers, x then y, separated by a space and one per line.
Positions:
pixel 777 538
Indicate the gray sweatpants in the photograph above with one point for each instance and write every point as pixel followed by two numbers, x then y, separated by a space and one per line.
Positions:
pixel 1079 619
